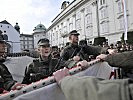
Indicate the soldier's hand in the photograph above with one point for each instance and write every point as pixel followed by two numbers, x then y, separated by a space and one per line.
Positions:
pixel 18 86
pixel 112 51
pixel 60 74
pixel 101 57
pixel 76 58
pixel 2 91
pixel 82 64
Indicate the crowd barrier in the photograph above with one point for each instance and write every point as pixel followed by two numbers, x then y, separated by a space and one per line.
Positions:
pixel 47 89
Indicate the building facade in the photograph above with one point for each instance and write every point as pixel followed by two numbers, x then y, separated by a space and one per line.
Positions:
pixel 13 36
pixel 91 18
pixel 27 42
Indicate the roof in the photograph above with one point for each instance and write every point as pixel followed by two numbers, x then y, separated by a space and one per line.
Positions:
pixel 5 22
pixel 26 35
pixel 39 28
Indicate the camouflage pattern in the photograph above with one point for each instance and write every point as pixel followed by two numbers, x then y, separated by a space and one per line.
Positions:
pixel 40 69
pixel 82 51
pixel 6 79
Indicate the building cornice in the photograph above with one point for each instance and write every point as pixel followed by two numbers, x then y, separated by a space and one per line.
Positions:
pixel 69 10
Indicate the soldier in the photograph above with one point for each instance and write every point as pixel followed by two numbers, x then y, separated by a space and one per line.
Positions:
pixel 55 52
pixel 6 80
pixel 92 88
pixel 42 67
pixel 74 52
pixel 123 60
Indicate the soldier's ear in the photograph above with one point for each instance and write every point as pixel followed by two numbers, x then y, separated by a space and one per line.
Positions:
pixel 38 49
pixel 70 37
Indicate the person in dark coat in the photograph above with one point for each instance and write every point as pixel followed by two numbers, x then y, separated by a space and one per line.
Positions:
pixel 6 80
pixel 43 66
pixel 75 52
pixel 92 88
pixel 123 60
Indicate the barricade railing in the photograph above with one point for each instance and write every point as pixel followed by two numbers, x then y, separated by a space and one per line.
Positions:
pixel 19 54
pixel 42 83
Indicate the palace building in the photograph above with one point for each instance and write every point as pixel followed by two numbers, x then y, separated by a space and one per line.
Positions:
pixel 92 19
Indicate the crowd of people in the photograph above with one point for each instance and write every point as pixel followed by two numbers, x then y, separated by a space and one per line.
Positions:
pixel 76 53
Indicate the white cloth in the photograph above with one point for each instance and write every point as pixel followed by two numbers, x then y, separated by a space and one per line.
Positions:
pixel 17 65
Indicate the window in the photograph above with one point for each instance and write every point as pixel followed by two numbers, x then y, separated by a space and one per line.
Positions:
pixel 88 19
pixel 87 10
pixel 121 23
pixel 104 13
pixel 78 21
pixel 102 2
pixel 70 26
pixel 120 10
pixel 89 31
pixel 104 27
pixel 65 29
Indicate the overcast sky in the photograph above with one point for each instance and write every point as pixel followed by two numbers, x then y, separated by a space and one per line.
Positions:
pixel 29 13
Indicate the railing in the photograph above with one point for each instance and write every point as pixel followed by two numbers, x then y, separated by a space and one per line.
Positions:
pixel 22 54
pixel 42 83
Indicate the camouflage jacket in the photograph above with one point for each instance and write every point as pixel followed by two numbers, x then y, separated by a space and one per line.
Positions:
pixel 83 51
pixel 40 69
pixel 73 50
pixel 6 80
pixel 123 60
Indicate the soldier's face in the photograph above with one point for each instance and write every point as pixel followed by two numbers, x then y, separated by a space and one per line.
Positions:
pixel 44 51
pixel 2 49
pixel 74 39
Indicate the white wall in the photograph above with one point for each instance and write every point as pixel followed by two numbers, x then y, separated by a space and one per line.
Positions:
pixel 13 36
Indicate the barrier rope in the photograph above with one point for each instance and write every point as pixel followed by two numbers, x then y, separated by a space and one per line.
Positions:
pixel 42 83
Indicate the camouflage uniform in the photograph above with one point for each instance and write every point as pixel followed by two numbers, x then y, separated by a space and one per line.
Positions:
pixel 91 88
pixel 123 60
pixel 72 50
pixel 5 78
pixel 40 69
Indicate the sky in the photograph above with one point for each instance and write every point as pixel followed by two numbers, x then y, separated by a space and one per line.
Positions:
pixel 29 13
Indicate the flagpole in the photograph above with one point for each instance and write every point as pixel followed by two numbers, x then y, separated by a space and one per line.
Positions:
pixel 125 20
